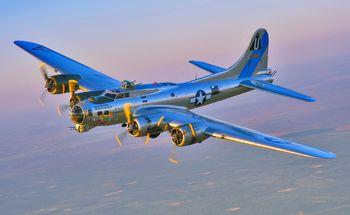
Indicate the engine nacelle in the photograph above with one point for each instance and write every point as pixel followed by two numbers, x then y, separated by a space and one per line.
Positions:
pixel 141 126
pixel 58 84
pixel 185 135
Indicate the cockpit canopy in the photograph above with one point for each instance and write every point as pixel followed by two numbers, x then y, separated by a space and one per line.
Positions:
pixel 109 96
pixel 128 84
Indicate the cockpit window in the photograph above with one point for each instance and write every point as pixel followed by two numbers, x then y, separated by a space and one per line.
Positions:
pixel 110 95
pixel 168 84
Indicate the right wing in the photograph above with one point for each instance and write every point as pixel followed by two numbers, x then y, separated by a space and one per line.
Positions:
pixel 90 78
pixel 273 88
pixel 176 117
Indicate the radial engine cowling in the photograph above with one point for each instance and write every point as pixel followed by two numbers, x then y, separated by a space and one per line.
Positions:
pixel 187 135
pixel 142 126
pixel 58 84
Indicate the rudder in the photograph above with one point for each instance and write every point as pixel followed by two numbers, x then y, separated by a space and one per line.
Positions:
pixel 254 59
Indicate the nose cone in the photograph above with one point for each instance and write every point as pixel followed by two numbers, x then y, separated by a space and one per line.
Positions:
pixel 77 114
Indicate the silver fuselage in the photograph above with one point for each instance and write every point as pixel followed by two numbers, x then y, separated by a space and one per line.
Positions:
pixel 190 95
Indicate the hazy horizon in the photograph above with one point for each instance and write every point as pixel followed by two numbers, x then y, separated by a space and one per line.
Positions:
pixel 49 169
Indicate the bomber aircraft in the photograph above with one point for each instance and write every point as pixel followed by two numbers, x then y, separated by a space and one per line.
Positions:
pixel 147 110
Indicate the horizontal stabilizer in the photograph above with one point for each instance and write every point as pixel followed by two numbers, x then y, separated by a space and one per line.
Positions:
pixel 271 88
pixel 208 67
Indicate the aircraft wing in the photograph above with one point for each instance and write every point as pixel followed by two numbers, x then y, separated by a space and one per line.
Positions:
pixel 176 117
pixel 90 78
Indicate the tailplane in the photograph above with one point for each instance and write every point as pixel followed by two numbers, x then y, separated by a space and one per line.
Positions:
pixel 275 89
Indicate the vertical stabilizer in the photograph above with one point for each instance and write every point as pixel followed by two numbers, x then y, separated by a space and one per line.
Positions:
pixel 253 60
pixel 255 57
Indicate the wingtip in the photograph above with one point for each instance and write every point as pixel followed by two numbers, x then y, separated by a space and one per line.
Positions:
pixel 331 155
pixel 310 99
pixel 20 43
pixel 26 45
pixel 17 42
pixel 325 155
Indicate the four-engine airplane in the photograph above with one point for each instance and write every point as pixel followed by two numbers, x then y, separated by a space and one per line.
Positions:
pixel 147 110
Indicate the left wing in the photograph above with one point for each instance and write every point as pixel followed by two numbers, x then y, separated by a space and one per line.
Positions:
pixel 90 78
pixel 177 117
pixel 208 67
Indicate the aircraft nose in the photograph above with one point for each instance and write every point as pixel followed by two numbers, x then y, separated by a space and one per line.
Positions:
pixel 77 114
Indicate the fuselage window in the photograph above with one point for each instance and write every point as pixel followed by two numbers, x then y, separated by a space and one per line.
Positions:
pixel 144 100
pixel 106 112
pixel 172 94
pixel 89 112
pixel 122 95
pixel 99 113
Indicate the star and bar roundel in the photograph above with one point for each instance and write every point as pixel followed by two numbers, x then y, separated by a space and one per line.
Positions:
pixel 201 97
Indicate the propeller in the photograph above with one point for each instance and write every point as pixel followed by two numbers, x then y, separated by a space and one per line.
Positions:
pixel 127 113
pixel 148 136
pixel 44 73
pixel 173 158
pixel 43 70
pixel 73 86
pixel 42 98
pixel 62 109
pixel 120 138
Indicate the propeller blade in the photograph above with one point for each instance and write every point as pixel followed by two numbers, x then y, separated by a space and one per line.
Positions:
pixel 61 109
pixel 72 87
pixel 173 158
pixel 160 121
pixel 117 139
pixel 193 132
pixel 43 70
pixel 121 137
pixel 127 112
pixel 42 98
pixel 147 138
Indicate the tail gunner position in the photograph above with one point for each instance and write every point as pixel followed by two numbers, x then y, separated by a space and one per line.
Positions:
pixel 150 109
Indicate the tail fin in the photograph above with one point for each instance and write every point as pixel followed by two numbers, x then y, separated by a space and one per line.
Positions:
pixel 253 60
pixel 255 57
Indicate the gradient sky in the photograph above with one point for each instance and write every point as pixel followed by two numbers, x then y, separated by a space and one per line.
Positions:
pixel 153 40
